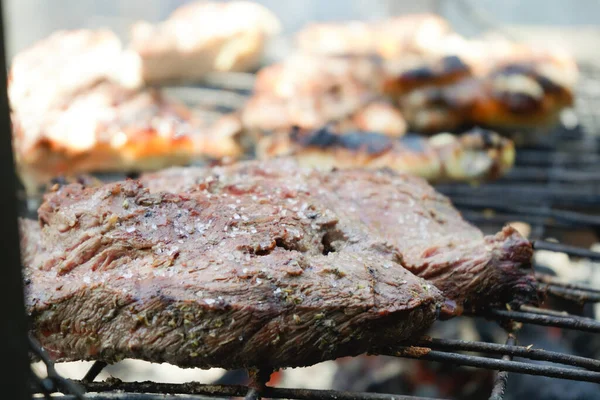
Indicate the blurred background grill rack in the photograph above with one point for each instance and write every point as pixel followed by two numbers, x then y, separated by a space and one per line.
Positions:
pixel 539 191
pixel 554 187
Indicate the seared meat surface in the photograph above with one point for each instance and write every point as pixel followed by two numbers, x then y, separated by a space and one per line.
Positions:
pixel 397 214
pixel 230 279
pixel 256 264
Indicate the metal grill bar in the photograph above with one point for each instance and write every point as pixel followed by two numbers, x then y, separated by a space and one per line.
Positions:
pixel 209 97
pixel 94 371
pixel 570 218
pixel 511 350
pixel 560 194
pixel 581 296
pixel 556 174
pixel 239 391
pixel 556 158
pixel 502 376
pixel 62 384
pixel 564 248
pixel 132 396
pixel 502 219
pixel 543 311
pixel 238 81
pixel 568 322
pixel 13 379
pixel 548 279
pixel 502 365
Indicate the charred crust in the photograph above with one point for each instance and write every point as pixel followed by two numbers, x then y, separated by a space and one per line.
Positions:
pixel 449 66
pixel 454 65
pixel 488 138
pixel 413 142
pixel 548 85
pixel 518 103
pixel 515 69
pixel 528 69
pixel 322 137
pixel 371 142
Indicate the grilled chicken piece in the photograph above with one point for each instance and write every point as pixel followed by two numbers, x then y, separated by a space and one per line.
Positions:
pixel 198 38
pixel 378 116
pixel 473 156
pixel 520 94
pixel 310 91
pixel 442 108
pixel 57 67
pixel 263 114
pixel 109 128
pixel 526 93
pixel 444 81
pixel 404 75
pixel 303 74
pixel 389 38
pixel 486 82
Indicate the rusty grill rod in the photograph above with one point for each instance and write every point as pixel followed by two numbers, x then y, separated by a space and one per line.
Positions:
pixel 581 296
pixel 519 173
pixel 237 391
pixel 54 377
pixel 478 217
pixel 510 350
pixel 553 158
pixel 559 195
pixel 551 280
pixel 94 371
pixel 502 365
pixel 567 217
pixel 502 376
pixel 564 248
pixel 567 321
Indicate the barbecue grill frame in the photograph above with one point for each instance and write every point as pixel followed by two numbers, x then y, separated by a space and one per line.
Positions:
pixel 17 346
pixel 12 334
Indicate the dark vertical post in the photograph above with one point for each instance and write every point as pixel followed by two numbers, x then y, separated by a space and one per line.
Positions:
pixel 13 340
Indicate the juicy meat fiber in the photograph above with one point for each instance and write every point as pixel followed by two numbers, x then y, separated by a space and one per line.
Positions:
pixel 256 264
pixel 230 279
pixel 394 213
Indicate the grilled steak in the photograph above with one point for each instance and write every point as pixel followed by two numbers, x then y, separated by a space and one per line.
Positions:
pixel 256 264
pixel 396 214
pixel 229 279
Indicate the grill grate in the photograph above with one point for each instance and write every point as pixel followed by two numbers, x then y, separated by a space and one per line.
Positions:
pixel 548 175
pixel 553 185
